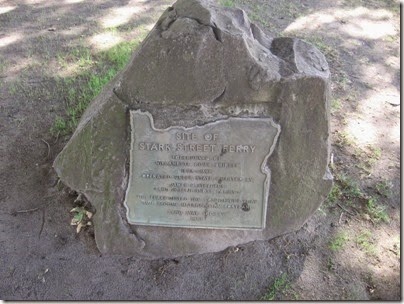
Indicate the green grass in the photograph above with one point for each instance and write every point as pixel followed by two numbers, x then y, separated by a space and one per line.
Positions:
pixel 367 157
pixel 347 192
pixel 120 54
pixel 336 105
pixel 365 242
pixel 344 139
pixel 375 152
pixel 390 38
pixel 257 18
pixel 330 264
pixel 80 56
pixel 96 71
pixel 377 212
pixel 12 90
pixel 345 189
pixel 280 285
pixel 335 193
pixel 342 79
pixel 3 67
pixel 348 187
pixel 81 218
pixel 59 126
pixel 291 9
pixel 339 241
pixel 384 188
pixel 227 3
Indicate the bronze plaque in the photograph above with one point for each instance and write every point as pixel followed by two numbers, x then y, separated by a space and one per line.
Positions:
pixel 210 176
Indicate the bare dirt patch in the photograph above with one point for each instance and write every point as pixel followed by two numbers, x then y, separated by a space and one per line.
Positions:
pixel 52 51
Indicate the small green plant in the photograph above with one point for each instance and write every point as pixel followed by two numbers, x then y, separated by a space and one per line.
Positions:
pixel 342 79
pixel 13 89
pixel 349 188
pixel 257 18
pixel 2 66
pixel 345 190
pixel 335 193
pixel 336 105
pixel 330 264
pixel 79 55
pixel 81 218
pixel 368 157
pixel 120 54
pixel 59 126
pixel 365 167
pixel 390 38
pixel 365 242
pixel 227 3
pixel 375 152
pixel 344 139
pixel 384 188
pixel 280 285
pixel 377 212
pixel 339 241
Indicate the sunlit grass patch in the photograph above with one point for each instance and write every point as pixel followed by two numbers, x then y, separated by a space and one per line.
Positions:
pixel 339 241
pixel 346 192
pixel 376 211
pixel 365 242
pixel 336 105
pixel 227 3
pixel 344 139
pixel 384 188
pixel 280 285
pixel 96 70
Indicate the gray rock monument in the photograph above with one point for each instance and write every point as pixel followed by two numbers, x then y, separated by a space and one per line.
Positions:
pixel 214 135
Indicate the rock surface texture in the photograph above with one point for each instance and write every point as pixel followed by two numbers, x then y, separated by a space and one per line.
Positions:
pixel 199 64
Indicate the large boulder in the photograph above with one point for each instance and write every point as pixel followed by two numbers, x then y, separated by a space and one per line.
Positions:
pixel 203 63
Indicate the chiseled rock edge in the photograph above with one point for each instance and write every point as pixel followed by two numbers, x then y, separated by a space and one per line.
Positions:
pixel 254 76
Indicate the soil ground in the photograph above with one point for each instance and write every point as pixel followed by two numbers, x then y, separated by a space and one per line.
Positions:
pixel 348 250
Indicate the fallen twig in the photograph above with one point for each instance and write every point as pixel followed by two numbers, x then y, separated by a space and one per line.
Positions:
pixel 356 209
pixel 25 211
pixel 43 223
pixel 340 217
pixel 29 210
pixel 345 210
pixel 57 137
pixel 49 149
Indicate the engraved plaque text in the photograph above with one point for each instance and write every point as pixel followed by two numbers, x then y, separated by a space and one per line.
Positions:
pixel 210 176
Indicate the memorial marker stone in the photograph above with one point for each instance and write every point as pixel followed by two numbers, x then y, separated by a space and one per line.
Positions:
pixel 214 135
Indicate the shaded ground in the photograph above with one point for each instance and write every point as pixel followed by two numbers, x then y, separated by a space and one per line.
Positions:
pixel 349 249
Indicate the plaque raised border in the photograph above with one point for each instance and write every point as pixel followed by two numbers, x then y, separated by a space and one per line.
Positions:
pixel 154 219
